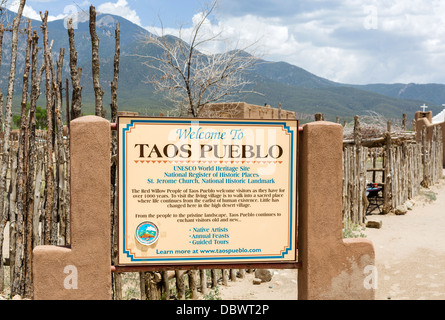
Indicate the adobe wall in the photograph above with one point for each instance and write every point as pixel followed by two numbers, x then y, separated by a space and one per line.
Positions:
pixel 242 110
pixel 427 115
pixel 332 267
pixel 83 270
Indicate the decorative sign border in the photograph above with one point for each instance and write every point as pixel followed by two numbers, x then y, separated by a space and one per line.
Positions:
pixel 211 261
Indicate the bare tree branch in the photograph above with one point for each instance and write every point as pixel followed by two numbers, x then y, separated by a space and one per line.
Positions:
pixel 191 79
pixel 2 30
pixel 30 184
pixel 76 105
pixel 96 64
pixel 49 179
pixel 18 285
pixel 115 82
pixel 4 160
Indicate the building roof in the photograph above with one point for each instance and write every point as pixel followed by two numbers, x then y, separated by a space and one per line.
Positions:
pixel 440 117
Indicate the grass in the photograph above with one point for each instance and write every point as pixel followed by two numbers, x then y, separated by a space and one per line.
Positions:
pixel 131 288
pixel 213 294
pixel 352 230
pixel 7 284
pixel 429 195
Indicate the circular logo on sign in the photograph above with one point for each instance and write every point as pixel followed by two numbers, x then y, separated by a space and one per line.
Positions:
pixel 147 233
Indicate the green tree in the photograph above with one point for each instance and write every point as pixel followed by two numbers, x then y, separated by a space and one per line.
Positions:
pixel 40 118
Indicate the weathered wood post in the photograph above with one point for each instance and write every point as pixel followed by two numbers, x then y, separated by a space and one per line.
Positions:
pixel 82 271
pixel 387 194
pixel 425 143
pixel 332 268
pixel 180 286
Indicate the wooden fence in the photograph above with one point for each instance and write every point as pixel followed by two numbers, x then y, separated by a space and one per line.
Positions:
pixel 176 284
pixel 35 171
pixel 395 161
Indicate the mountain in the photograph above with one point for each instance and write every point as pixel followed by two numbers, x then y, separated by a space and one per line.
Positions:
pixel 432 93
pixel 316 93
pixel 279 82
pixel 286 73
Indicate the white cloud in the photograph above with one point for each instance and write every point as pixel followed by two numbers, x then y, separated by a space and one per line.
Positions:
pixel 251 32
pixel 29 12
pixel 305 44
pixel 349 41
pixel 120 8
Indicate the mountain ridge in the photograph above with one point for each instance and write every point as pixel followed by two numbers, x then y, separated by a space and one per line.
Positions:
pixel 280 82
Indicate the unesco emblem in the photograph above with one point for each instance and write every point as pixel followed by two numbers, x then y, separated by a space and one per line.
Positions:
pixel 147 233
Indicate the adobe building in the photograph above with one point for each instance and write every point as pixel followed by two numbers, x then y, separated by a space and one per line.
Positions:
pixel 425 119
pixel 243 110
pixel 427 114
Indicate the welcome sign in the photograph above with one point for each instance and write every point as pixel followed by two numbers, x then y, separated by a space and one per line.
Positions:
pixel 212 192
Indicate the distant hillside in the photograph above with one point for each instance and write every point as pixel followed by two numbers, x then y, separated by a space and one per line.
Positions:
pixel 334 101
pixel 433 93
pixel 279 82
pixel 286 73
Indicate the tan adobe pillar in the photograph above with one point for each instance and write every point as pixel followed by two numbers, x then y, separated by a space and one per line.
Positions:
pixel 425 119
pixel 427 114
pixel 84 270
pixel 332 268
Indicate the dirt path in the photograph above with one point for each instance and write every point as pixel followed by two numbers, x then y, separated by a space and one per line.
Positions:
pixel 410 257
pixel 283 286
pixel 410 250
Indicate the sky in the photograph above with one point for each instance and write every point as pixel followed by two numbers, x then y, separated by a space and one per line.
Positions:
pixel 348 41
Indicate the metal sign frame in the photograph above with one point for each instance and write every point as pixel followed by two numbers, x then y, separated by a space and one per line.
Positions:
pixel 205 263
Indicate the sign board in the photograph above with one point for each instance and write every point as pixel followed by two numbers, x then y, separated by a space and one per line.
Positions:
pixel 207 191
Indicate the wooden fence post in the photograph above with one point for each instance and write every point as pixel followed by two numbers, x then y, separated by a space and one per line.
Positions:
pixel 180 287
pixel 387 207
pixel 425 157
